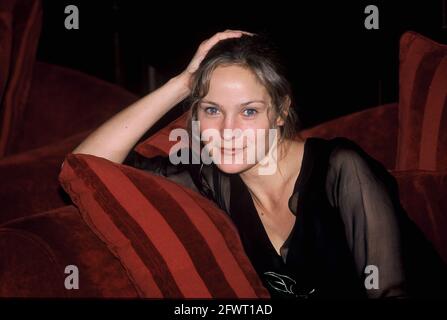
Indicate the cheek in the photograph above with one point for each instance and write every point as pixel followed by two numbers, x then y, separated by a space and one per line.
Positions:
pixel 259 129
pixel 210 127
pixel 258 141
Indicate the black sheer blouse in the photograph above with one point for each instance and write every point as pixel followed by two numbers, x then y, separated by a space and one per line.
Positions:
pixel 351 237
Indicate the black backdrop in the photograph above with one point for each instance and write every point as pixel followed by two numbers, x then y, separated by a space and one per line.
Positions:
pixel 335 65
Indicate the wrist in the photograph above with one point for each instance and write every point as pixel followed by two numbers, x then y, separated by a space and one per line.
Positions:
pixel 181 82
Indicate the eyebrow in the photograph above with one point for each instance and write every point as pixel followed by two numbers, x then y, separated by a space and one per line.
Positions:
pixel 242 104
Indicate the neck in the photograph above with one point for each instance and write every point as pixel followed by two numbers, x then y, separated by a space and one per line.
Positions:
pixel 269 190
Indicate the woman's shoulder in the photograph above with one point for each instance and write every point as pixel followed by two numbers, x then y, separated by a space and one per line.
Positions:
pixel 345 158
pixel 346 152
pixel 342 152
pixel 348 163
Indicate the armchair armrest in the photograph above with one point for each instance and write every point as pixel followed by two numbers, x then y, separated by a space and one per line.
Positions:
pixel 374 129
pixel 67 102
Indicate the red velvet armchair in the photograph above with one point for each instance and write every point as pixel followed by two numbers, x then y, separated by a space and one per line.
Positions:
pixel 42 231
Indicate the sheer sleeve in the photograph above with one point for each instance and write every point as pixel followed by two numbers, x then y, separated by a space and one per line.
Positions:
pixel 360 187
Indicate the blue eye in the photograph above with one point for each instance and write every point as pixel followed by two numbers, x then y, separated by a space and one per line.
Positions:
pixel 251 114
pixel 212 108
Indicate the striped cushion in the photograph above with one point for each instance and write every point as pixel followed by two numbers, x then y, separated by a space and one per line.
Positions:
pixel 20 23
pixel 425 207
pixel 173 242
pixel 422 142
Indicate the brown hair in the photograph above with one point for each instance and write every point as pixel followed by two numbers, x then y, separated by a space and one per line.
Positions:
pixel 257 54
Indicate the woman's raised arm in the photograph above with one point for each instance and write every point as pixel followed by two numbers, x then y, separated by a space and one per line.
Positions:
pixel 114 138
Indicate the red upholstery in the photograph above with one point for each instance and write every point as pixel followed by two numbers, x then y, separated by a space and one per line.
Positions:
pixel 20 22
pixel 422 194
pixel 74 103
pixel 41 231
pixel 30 179
pixel 173 242
pixel 46 111
pixel 374 129
pixel 37 249
pixel 422 104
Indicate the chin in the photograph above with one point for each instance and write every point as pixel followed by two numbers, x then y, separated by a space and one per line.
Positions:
pixel 232 163
pixel 233 168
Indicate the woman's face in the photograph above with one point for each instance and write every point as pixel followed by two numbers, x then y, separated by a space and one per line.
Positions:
pixel 233 119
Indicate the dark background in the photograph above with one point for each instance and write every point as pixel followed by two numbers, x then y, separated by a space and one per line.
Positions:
pixel 336 66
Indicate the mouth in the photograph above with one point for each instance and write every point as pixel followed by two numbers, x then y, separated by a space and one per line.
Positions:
pixel 231 150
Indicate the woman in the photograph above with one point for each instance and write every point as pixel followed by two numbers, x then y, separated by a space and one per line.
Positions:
pixel 322 219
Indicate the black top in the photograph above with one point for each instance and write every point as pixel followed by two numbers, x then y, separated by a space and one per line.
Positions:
pixel 351 236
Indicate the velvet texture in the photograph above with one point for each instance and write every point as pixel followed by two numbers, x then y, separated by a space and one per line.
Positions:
pixel 73 103
pixel 173 242
pixel 42 123
pixel 5 47
pixel 37 249
pixel 30 179
pixel 374 129
pixel 422 194
pixel 422 104
pixel 41 231
pixel 20 23
pixel 30 174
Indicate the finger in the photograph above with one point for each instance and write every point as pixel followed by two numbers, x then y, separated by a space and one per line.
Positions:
pixel 226 35
pixel 208 44
pixel 241 31
pixel 218 37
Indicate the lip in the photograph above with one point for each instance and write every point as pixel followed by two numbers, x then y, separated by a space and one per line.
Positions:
pixel 232 150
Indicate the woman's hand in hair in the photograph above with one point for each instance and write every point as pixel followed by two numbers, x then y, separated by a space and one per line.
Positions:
pixel 205 46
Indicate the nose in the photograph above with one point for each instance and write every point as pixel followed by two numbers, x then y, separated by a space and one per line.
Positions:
pixel 230 130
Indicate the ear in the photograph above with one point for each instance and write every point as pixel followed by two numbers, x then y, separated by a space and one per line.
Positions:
pixel 279 119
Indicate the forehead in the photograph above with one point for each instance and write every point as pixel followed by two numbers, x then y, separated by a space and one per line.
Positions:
pixel 233 84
